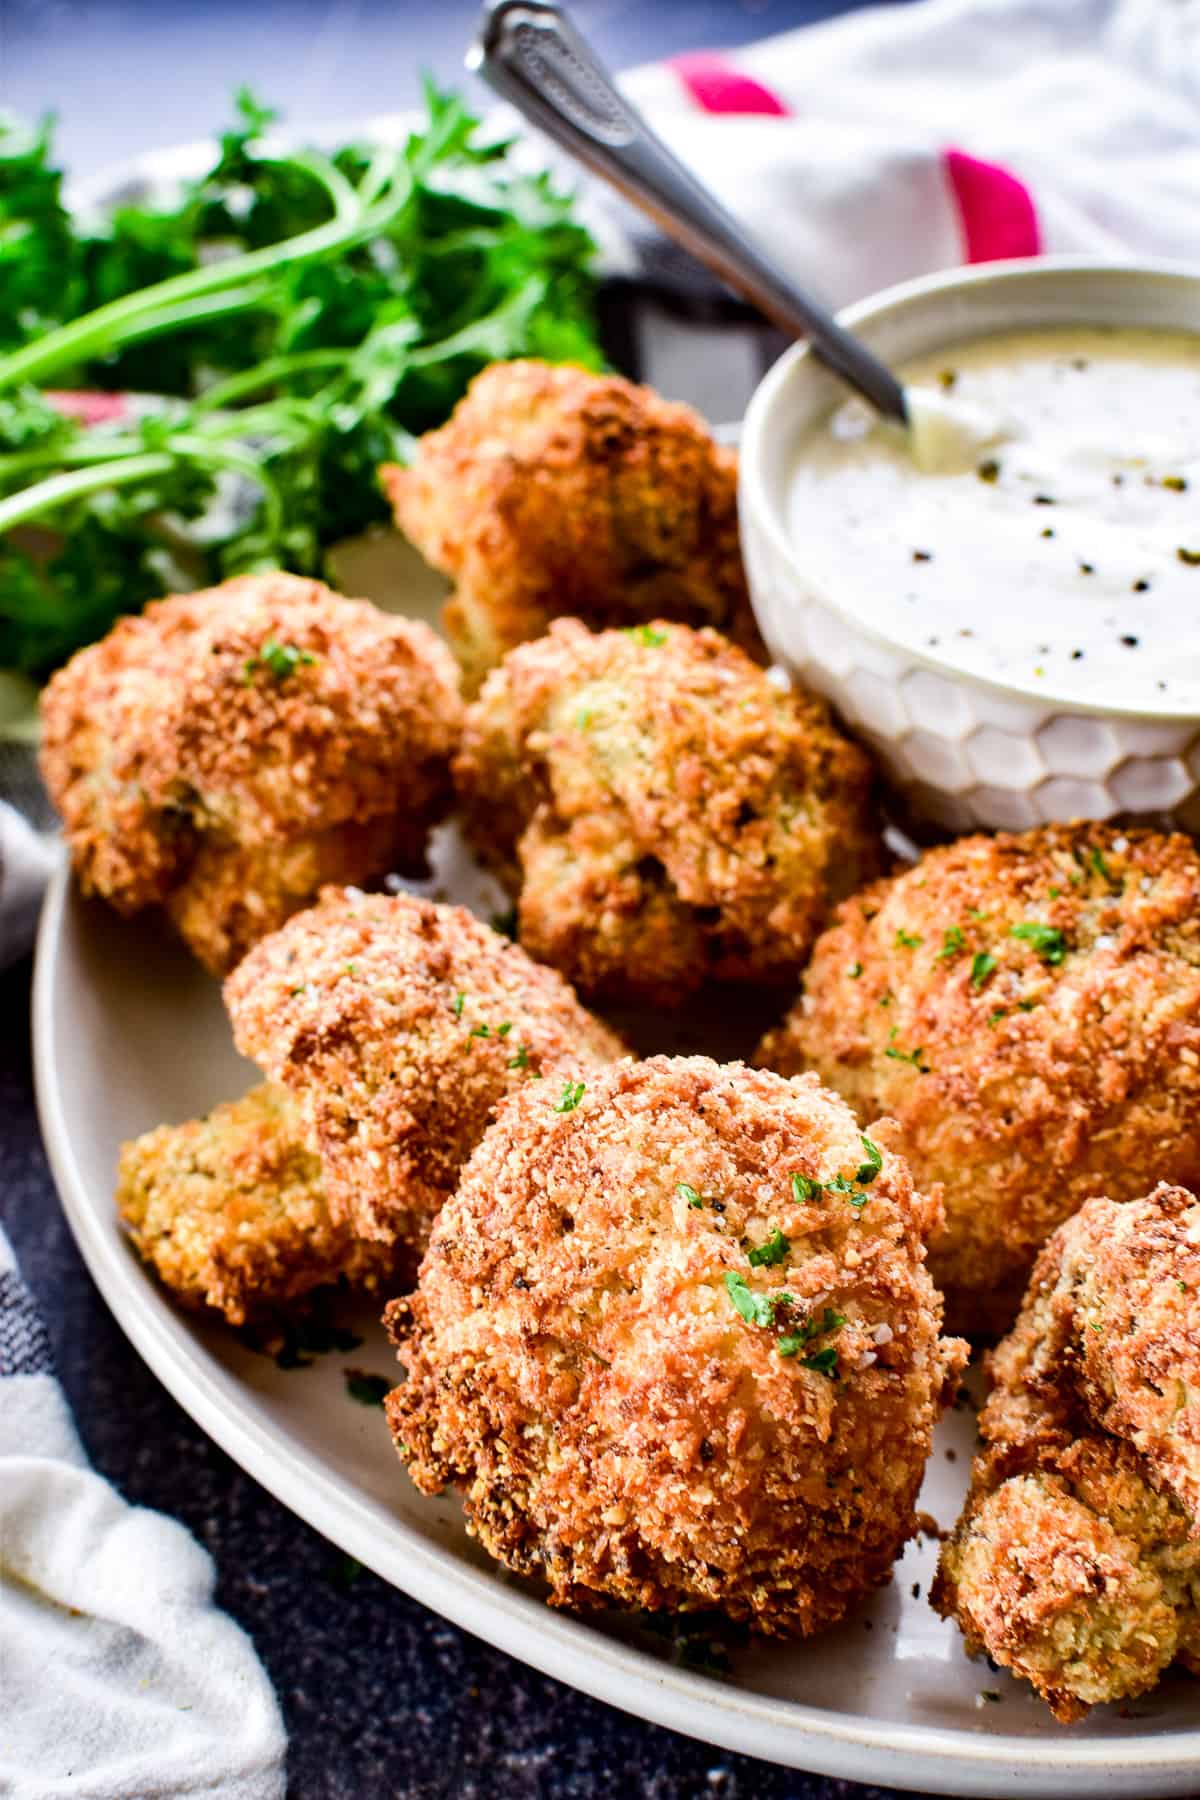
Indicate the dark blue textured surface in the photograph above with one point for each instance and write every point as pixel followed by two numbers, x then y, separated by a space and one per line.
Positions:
pixel 383 1700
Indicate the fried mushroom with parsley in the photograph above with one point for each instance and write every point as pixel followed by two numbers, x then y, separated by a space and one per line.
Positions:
pixel 675 1342
pixel 1028 1008
pixel 664 811
pixel 397 1025
pixel 1076 1563
pixel 553 490
pixel 226 753
pixel 230 1212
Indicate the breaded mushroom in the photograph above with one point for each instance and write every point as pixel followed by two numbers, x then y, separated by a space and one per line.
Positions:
pixel 1076 1562
pixel 552 490
pixel 226 753
pixel 1028 1008
pixel 397 1025
pixel 664 811
pixel 230 1211
pixel 675 1343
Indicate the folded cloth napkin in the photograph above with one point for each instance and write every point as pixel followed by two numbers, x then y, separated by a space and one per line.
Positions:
pixel 882 145
pixel 121 1679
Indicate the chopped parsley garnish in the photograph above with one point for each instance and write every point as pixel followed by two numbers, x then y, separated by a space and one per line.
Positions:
pixel 756 1309
pixel 774 1250
pixel 368 1390
pixel 907 940
pixel 1181 1284
pixel 646 636
pixel 583 718
pixel 503 1030
pixel 692 1195
pixel 867 1171
pixel 572 1094
pixel 1045 940
pixel 1190 558
pixel 982 966
pixel 825 1362
pixel 519 1059
pixel 804 1188
pixel 973 912
pixel 459 1002
pixel 995 1017
pixel 480 1031
pixel 854 971
pixel 912 1057
pixel 280 660
pixel 953 943
pixel 1102 869
pixel 351 969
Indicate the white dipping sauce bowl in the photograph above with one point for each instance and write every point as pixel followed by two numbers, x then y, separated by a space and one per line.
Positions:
pixel 961 751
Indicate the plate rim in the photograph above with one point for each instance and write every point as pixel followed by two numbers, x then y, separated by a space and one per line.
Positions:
pixel 941 1759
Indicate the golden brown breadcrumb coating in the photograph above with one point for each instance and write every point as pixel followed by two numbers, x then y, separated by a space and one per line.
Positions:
pixel 552 490
pixel 666 1366
pixel 398 1025
pixel 226 753
pixel 1029 1009
pixel 230 1211
pixel 1076 1562
pixel 666 813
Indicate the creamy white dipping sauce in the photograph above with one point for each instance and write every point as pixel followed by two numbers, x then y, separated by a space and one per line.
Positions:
pixel 1039 524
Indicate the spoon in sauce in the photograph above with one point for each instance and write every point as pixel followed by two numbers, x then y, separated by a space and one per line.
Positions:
pixel 531 53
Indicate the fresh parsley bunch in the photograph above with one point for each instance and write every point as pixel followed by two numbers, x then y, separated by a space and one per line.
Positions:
pixel 303 314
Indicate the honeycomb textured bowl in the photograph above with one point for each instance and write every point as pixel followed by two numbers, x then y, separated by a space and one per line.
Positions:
pixel 959 751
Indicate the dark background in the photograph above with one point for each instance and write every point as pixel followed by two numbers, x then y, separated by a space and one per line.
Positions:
pixel 383 1700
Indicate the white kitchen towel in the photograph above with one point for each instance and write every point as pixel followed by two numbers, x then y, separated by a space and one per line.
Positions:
pixel 886 144
pixel 903 139
pixel 119 1678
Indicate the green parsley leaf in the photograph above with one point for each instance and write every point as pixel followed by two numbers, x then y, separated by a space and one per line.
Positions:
pixel 983 965
pixel 825 1362
pixel 690 1194
pixel 908 940
pixel 912 1057
pixel 804 1188
pixel 519 1059
pixel 812 1328
pixel 867 1172
pixel 1046 940
pixel 480 1031
pixel 368 1390
pixel 953 943
pixel 995 1017
pixel 1102 869
pixel 973 912
pixel 572 1094
pixel 646 636
pixel 756 1309
pixel 280 660
pixel 774 1250
pixel 459 1001
pixel 503 1030
pixel 854 971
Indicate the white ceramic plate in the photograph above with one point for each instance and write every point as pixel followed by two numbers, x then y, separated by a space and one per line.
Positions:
pixel 129 1032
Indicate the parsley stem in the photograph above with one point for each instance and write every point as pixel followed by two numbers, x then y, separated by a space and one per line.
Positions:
pixel 267 374
pixel 44 496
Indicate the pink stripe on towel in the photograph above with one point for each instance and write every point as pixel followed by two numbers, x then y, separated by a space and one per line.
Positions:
pixel 996 210
pixel 718 87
